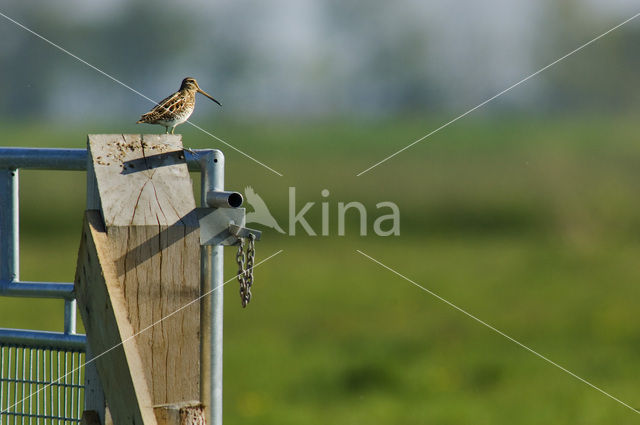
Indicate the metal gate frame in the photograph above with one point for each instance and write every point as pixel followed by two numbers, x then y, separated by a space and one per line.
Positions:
pixel 25 381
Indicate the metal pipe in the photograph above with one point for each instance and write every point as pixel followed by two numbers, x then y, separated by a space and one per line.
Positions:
pixel 42 339
pixel 43 158
pixel 37 289
pixel 211 308
pixel 15 377
pixel 30 383
pixel 193 158
pixel 59 375
pixel 10 240
pixel 67 159
pixel 9 220
pixel 70 316
pixel 2 377
pixel 24 364
pixel 223 199
pixel 51 363
pixel 206 284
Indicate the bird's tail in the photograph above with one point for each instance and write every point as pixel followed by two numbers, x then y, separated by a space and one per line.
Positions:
pixel 144 118
pixel 278 228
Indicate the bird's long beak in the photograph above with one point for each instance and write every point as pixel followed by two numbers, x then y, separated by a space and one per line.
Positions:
pixel 208 95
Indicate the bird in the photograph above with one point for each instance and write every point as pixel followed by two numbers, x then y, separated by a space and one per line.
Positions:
pixel 177 108
pixel 260 213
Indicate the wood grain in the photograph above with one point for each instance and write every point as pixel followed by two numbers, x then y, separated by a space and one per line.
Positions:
pixel 187 413
pixel 141 179
pixel 148 208
pixel 109 332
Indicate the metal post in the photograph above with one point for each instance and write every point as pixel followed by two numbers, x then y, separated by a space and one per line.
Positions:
pixel 11 159
pixel 9 216
pixel 70 316
pixel 211 306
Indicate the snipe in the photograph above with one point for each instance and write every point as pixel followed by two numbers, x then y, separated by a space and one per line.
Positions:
pixel 177 108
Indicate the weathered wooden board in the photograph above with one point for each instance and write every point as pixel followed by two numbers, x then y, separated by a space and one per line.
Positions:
pixel 109 332
pixel 148 207
pixel 187 413
pixel 93 392
pixel 142 179
pixel 160 283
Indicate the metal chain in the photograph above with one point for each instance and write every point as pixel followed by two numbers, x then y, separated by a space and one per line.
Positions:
pixel 241 260
pixel 251 255
pixel 245 268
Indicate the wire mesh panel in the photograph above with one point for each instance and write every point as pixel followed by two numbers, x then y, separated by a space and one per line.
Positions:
pixel 40 386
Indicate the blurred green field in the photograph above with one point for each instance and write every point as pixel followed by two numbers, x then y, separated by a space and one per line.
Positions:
pixel 532 224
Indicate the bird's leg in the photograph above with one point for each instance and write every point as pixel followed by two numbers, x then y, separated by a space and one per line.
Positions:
pixel 173 129
pixel 166 130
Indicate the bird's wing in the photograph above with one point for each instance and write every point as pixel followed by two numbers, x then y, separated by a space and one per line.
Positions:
pixel 260 213
pixel 165 108
pixel 254 199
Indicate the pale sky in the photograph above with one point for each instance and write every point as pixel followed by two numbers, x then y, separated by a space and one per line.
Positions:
pixel 301 59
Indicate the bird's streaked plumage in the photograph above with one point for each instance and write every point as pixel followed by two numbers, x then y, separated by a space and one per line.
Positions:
pixel 177 108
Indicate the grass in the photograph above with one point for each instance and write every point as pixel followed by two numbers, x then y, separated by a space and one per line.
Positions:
pixel 530 224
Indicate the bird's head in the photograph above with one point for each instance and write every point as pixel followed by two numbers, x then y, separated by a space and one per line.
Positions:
pixel 190 84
